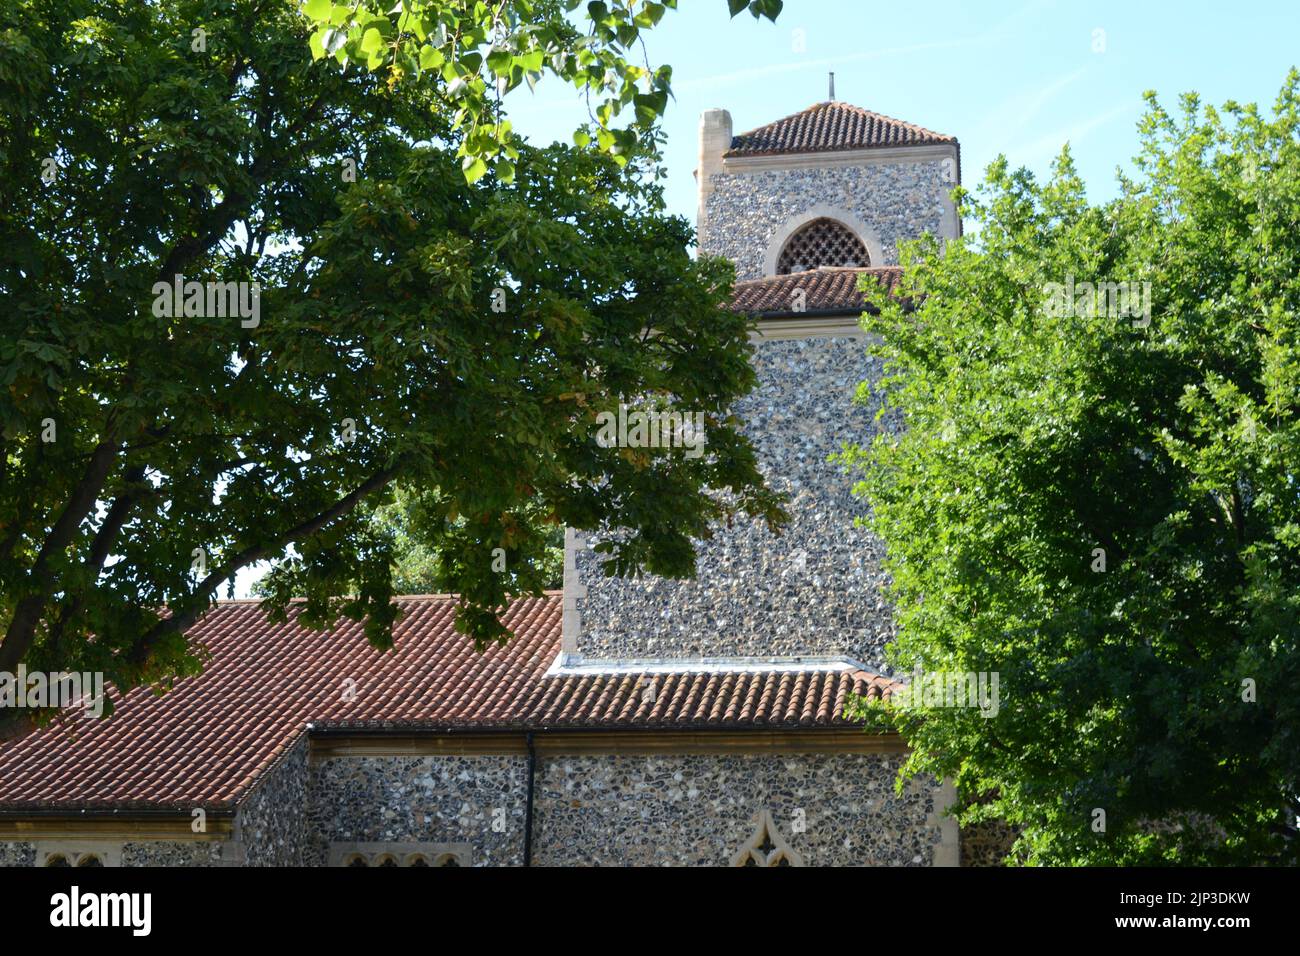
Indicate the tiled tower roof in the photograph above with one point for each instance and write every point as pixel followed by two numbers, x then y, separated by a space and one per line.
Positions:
pixel 832 126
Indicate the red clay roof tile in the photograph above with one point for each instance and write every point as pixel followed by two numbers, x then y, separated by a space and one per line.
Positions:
pixel 206 741
pixel 824 290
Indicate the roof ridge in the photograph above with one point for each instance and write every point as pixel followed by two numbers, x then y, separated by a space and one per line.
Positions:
pixel 548 592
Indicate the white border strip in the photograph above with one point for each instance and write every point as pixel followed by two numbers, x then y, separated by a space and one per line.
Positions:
pixel 573 665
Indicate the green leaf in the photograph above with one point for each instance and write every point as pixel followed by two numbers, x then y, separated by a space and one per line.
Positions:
pixel 532 60
pixel 650 15
pixel 318 9
pixel 372 40
pixel 431 59
pixel 474 168
pixel 649 107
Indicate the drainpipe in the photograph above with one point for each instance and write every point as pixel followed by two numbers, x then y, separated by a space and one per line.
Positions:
pixel 528 807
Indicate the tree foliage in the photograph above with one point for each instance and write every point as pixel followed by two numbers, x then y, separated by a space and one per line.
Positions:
pixel 474 53
pixel 418 567
pixel 454 339
pixel 1106 511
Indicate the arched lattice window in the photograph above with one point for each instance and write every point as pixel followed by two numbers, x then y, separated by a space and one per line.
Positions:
pixel 823 242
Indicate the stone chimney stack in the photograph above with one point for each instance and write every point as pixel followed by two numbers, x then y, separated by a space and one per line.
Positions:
pixel 715 139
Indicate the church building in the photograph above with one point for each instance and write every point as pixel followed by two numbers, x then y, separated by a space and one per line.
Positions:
pixel 630 721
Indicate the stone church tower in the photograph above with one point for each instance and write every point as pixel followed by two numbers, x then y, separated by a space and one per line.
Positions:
pixel 641 722
pixel 802 206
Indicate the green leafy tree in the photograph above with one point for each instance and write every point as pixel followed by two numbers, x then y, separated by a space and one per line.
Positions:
pixel 456 339
pixel 418 567
pixel 1104 508
pixel 475 52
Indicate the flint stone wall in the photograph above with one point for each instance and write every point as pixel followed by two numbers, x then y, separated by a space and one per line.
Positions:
pixel 139 853
pixel 477 800
pixel 987 844
pixel 272 822
pixel 179 853
pixel 17 853
pixel 599 809
pixel 701 810
pixel 818 588
pixel 746 210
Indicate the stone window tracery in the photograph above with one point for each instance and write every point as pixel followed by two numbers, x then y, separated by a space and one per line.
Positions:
pixel 767 847
pixel 62 858
pixel 399 854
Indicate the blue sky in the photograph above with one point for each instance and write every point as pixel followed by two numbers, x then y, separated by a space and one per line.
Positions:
pixel 1019 78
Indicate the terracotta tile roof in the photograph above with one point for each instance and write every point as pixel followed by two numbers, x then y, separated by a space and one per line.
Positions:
pixel 206 741
pixel 831 126
pixel 825 290
pixel 703 701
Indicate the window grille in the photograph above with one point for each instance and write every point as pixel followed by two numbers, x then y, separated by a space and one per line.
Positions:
pixel 822 242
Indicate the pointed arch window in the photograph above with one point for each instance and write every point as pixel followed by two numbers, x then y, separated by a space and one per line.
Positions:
pixel 60 859
pixel 767 846
pixel 822 242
